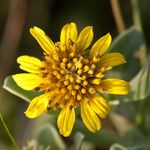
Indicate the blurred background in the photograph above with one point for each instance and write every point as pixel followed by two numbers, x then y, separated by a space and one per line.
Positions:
pixel 17 16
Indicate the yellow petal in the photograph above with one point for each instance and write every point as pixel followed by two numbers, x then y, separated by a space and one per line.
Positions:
pixel 100 106
pixel 89 117
pixel 66 121
pixel 37 106
pixel 29 64
pixel 60 120
pixel 111 60
pixel 115 86
pixel 27 81
pixel 101 45
pixel 86 121
pixel 44 41
pixel 85 38
pixel 69 32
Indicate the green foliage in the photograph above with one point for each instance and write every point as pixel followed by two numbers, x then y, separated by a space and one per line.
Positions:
pixel 12 87
pixel 79 138
pixel 101 138
pixel 141 83
pixel 132 140
pixel 49 136
pixel 128 43
pixel 117 146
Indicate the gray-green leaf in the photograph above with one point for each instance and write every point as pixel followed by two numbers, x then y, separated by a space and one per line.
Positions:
pixel 101 138
pixel 141 83
pixel 49 136
pixel 128 43
pixel 12 87
pixel 79 137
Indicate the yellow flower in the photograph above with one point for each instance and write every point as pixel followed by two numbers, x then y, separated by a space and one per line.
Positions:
pixel 70 77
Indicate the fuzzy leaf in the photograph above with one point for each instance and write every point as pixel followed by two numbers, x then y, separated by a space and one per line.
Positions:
pixel 128 43
pixel 133 139
pixel 12 87
pixel 141 83
pixel 49 136
pixel 79 138
pixel 101 138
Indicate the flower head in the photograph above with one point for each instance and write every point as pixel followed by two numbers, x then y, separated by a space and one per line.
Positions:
pixel 70 77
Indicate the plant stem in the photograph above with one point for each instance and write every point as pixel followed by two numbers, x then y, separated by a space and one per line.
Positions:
pixel 117 15
pixel 138 24
pixel 8 132
pixel 136 14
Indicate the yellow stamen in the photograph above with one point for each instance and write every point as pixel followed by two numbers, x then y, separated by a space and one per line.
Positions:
pixel 78 80
pixel 83 77
pixel 55 73
pixel 73 68
pixel 79 65
pixel 62 65
pixel 108 68
pixel 73 92
pixel 79 97
pixel 75 60
pixel 64 60
pixel 62 72
pixel 92 90
pixel 90 72
pixel 63 90
pixel 79 71
pixel 58 76
pixel 93 66
pixel 59 84
pixel 83 90
pixel 72 55
pixel 70 87
pixel 68 76
pixel 67 96
pixel 99 75
pixel 86 61
pixel 66 82
pixel 85 83
pixel 77 87
pixel 86 69
pixel 96 81
pixel 71 79
pixel 69 65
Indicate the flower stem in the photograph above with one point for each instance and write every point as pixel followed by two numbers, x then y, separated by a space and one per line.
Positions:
pixel 117 15
pixel 8 132
pixel 138 24
pixel 136 14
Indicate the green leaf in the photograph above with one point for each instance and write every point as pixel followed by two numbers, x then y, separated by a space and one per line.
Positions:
pixel 12 87
pixel 140 84
pixel 140 87
pixel 101 138
pixel 137 146
pixel 117 146
pixel 49 136
pixel 128 43
pixel 133 139
pixel 79 137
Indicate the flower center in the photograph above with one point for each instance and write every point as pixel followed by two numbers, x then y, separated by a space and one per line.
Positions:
pixel 71 75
